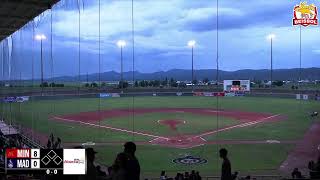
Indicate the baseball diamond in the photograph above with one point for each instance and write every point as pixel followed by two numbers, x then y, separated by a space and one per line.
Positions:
pixel 190 125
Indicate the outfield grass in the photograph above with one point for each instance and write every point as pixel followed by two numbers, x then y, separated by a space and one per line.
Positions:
pixel 36 115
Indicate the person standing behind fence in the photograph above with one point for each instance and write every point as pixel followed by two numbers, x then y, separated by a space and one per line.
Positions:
pixel 226 165
pixel 133 166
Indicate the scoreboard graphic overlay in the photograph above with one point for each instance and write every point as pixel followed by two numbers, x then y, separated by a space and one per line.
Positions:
pixel 45 161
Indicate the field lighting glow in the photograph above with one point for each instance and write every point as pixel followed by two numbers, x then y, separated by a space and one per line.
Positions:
pixel 121 43
pixel 271 36
pixel 191 43
pixel 40 37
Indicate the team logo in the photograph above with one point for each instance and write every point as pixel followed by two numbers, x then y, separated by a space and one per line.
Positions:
pixel 190 160
pixel 305 15
pixel 10 153
pixel 10 164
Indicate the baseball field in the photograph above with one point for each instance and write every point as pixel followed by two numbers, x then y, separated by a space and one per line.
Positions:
pixel 260 131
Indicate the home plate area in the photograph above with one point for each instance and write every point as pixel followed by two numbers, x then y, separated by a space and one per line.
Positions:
pixel 181 142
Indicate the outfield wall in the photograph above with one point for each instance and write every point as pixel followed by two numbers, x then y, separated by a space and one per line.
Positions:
pixel 75 91
pixel 158 94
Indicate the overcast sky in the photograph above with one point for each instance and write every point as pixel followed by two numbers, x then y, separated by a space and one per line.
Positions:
pixel 162 30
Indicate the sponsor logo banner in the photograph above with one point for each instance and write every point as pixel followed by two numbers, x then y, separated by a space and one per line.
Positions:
pixel 109 95
pixel 11 99
pixel 74 161
pixel 115 95
pixel 22 98
pixel 240 93
pixel 209 94
pixel 230 94
pixel 105 95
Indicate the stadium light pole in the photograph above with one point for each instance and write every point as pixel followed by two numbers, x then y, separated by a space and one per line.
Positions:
pixel 121 44
pixel 192 44
pixel 41 37
pixel 271 37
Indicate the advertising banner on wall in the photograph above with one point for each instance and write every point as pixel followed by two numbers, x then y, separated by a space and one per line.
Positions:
pixel 179 93
pixel 19 99
pixel 209 94
pixel 302 96
pixel 22 98
pixel 230 94
pixel 115 95
pixel 105 95
pixel 109 95
pixel 9 99
pixel 240 93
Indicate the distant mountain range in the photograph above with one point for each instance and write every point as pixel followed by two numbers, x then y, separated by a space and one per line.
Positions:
pixel 180 74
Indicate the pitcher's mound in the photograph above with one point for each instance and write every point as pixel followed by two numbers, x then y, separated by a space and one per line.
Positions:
pixel 172 123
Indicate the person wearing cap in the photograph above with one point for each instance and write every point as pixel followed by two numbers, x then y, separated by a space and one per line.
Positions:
pixel 133 166
pixel 92 172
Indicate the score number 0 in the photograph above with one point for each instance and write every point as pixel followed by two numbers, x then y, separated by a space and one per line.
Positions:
pixel 48 171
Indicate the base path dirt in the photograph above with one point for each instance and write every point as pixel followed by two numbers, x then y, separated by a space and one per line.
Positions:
pixel 245 119
pixel 94 116
pixel 306 150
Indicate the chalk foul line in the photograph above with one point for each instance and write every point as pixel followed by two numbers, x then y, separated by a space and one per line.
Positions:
pixel 238 126
pixel 109 127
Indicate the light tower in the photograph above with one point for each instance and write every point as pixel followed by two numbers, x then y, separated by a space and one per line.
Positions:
pixel 192 44
pixel 271 37
pixel 121 44
pixel 41 37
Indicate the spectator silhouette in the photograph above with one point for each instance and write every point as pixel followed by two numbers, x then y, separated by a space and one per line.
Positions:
pixel 192 175
pixel 179 176
pixel 317 166
pixel 92 172
pixel 163 175
pixel 100 172
pixel 234 175
pixel 186 175
pixel 52 143
pixel 226 165
pixel 49 144
pixel 198 177
pixel 296 174
pixel 311 165
pixel 133 166
pixel 119 171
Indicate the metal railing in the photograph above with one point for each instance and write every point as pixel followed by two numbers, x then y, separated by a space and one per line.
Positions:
pixel 31 142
